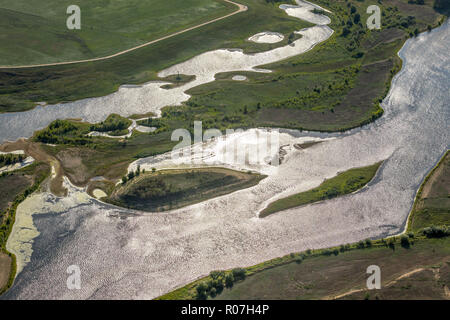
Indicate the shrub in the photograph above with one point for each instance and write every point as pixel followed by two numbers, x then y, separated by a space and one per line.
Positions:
pixel 391 244
pixel 436 232
pixel 238 273
pixel 201 291
pixel 229 280
pixel 216 274
pixel 404 241
pixel 368 243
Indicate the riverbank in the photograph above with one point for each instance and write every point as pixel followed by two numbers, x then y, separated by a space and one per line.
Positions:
pixel 15 187
pixel 298 275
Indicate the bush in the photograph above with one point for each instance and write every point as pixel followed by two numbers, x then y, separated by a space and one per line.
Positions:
pixel 391 244
pixel 238 273
pixel 404 241
pixel 217 274
pixel 229 280
pixel 436 232
pixel 201 291
pixel 360 244
pixel 368 243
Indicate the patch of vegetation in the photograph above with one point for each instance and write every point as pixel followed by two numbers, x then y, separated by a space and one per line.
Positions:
pixel 106 27
pixel 161 124
pixel 169 189
pixel 64 132
pixel 431 209
pixel 11 158
pixel 344 183
pixel 114 125
pixel 300 275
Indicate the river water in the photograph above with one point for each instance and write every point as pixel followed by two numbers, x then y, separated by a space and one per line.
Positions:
pixel 129 254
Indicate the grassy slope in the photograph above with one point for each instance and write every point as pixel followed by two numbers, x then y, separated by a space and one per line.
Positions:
pixel 185 187
pixel 344 183
pixel 330 273
pixel 106 26
pixel 432 204
pixel 72 82
pixel 328 276
pixel 351 86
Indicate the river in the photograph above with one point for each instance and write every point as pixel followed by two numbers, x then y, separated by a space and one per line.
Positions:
pixel 126 254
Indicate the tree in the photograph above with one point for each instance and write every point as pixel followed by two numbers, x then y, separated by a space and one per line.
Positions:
pixel 201 291
pixel 229 280
pixel 404 241
pixel 345 32
pixel 238 273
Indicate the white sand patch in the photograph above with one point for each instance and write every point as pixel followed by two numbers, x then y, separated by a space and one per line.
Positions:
pixel 303 10
pixel 19 165
pixel 98 193
pixel 267 37
pixel 206 65
pixel 251 150
pixel 145 129
pixel 239 78
pixel 106 135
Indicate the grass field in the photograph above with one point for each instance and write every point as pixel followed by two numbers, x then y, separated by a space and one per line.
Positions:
pixel 37 29
pixel 336 86
pixel 344 183
pixel 413 266
pixel 19 88
pixel 170 189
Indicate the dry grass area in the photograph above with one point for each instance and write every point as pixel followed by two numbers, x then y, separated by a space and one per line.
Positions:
pixel 5 269
pixel 344 275
pixel 36 151
pixel 430 283
pixel 432 205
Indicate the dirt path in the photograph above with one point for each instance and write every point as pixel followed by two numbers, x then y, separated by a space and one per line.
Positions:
pixel 241 8
pixel 34 150
pixel 390 283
